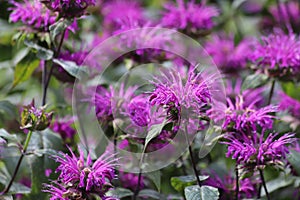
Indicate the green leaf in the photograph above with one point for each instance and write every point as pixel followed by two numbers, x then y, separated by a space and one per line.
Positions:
pixel 181 182
pixel 254 81
pixel 43 140
pixel 155 177
pixel 294 160
pixel 72 68
pixel 4 134
pixel 25 68
pixel 150 193
pixel 291 89
pixel 119 193
pixel 204 193
pixel 8 110
pixel 276 184
pixel 154 131
pixel 58 28
pixel 42 53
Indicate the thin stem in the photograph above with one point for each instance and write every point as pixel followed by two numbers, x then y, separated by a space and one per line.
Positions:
pixel 18 164
pixel 193 160
pixel 237 182
pixel 137 189
pixel 264 183
pixel 271 92
pixel 259 191
pixel 47 80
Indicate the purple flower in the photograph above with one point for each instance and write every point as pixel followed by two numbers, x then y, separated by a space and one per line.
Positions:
pixel 243 118
pixel 69 8
pixel 227 55
pixel 289 104
pixel 189 16
pixel 228 185
pixel 138 110
pixel 60 192
pixel 33 14
pixel 91 177
pixel 102 102
pixel 130 180
pixel 64 129
pixel 278 54
pixel 113 18
pixel 256 150
pixel 286 13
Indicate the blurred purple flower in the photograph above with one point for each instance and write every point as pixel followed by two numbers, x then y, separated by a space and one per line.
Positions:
pixel 130 180
pixel 139 111
pixel 278 53
pixel 60 192
pixel 227 55
pixel 64 129
pixel 130 9
pixel 69 8
pixel 189 16
pixel 32 13
pixel 243 118
pixel 228 185
pixel 84 174
pixel 254 149
pixel 289 104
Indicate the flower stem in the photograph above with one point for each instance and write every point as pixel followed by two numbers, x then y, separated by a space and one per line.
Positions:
pixel 48 78
pixel 264 183
pixel 137 189
pixel 237 182
pixel 271 92
pixel 18 164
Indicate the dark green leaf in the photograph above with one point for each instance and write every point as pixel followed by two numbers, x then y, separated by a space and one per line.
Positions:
pixel 204 193
pixel 254 81
pixel 181 182
pixel 8 110
pixel 276 184
pixel 119 193
pixel 154 131
pixel 42 53
pixel 72 68
pixel 146 193
pixel 25 68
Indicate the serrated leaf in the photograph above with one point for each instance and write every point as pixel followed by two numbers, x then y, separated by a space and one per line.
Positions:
pixel 254 81
pixel 119 193
pixel 58 28
pixel 72 68
pixel 204 193
pixel 155 177
pixel 25 68
pixel 294 160
pixel 150 193
pixel 181 182
pixel 42 53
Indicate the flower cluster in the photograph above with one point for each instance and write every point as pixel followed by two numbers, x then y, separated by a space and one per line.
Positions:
pixel 256 150
pixel 80 177
pixel 33 14
pixel 278 54
pixel 64 129
pixel 190 16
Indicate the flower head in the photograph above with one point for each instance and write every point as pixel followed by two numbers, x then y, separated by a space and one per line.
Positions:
pixel 69 8
pixel 257 150
pixel 227 55
pixel 189 16
pixel 278 54
pixel 64 128
pixel 84 174
pixel 243 118
pixel 130 180
pixel 138 110
pixel 289 104
pixel 33 14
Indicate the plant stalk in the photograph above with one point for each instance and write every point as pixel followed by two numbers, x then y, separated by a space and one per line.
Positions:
pixel 271 92
pixel 6 190
pixel 264 183
pixel 237 182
